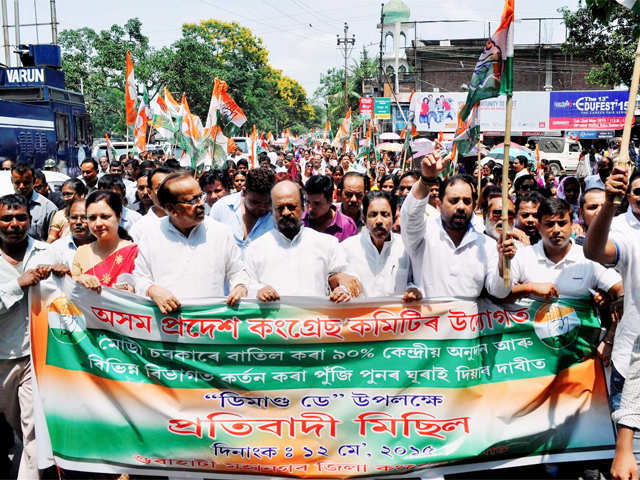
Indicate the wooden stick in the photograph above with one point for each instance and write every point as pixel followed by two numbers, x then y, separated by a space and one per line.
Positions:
pixel 623 157
pixel 479 168
pixel 505 187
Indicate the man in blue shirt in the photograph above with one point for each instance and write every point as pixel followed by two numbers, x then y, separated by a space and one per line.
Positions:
pixel 248 213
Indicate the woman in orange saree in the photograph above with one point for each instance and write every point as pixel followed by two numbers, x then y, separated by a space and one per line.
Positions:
pixel 112 253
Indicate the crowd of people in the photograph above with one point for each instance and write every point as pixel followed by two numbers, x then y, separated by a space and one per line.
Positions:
pixel 311 222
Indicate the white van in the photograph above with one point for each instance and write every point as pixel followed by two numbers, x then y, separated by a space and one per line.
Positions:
pixel 562 153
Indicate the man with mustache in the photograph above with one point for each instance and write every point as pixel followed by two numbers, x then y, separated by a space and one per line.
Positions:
pixel 449 257
pixel 526 210
pixel 293 259
pixel 189 255
pixel 376 255
pixel 22 265
pixel 556 266
pixel 64 249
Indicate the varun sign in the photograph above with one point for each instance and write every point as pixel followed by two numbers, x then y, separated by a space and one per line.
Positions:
pixel 588 110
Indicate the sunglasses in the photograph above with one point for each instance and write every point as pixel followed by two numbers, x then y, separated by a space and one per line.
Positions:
pixel 636 192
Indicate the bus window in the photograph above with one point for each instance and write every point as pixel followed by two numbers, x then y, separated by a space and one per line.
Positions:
pixel 62 127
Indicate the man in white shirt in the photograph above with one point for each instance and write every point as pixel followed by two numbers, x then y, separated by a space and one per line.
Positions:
pixel 293 259
pixel 556 266
pixel 621 248
pixel 520 165
pixel 190 255
pixel 64 249
pixel 449 257
pixel 151 220
pixel 376 255
pixel 22 264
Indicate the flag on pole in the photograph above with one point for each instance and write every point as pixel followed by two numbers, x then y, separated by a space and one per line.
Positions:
pixel 161 119
pixel 172 104
pixel 468 132
pixel 343 131
pixel 130 92
pixel 142 122
pixel 327 131
pixel 111 152
pixel 252 153
pixel 633 5
pixel 214 103
pixel 493 74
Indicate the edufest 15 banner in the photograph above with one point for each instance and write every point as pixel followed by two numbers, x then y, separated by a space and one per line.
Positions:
pixel 306 388
pixel 588 110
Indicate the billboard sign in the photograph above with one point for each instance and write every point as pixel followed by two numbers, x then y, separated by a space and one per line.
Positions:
pixel 382 108
pixel 597 110
pixel 366 107
pixel 437 111
pixel 530 113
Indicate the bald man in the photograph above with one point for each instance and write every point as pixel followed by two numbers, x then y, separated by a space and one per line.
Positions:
pixel 175 261
pixel 293 260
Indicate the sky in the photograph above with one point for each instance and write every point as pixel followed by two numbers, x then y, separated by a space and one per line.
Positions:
pixel 300 35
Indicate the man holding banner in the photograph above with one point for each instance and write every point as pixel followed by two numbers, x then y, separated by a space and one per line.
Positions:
pixel 203 253
pixel 448 256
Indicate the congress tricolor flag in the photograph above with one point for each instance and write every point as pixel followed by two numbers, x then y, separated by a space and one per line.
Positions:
pixel 130 92
pixel 493 73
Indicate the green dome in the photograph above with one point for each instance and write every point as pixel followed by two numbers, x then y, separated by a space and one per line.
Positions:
pixel 396 11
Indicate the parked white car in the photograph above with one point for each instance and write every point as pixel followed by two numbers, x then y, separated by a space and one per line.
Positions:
pixel 562 153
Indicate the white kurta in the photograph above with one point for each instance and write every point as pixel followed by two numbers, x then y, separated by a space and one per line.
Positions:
pixel 300 267
pixel 190 267
pixel 382 274
pixel 442 270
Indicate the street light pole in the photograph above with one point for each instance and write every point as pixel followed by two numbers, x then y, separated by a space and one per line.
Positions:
pixel 346 42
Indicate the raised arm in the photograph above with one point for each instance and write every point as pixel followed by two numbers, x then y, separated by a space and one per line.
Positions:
pixel 597 246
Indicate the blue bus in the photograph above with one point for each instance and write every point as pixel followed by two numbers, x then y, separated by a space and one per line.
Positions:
pixel 39 118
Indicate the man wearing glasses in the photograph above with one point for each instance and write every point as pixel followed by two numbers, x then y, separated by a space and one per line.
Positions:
pixel 190 255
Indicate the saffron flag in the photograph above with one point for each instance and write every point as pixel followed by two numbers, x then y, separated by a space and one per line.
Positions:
pixel 173 105
pixel 161 119
pixel 343 131
pixel 493 74
pixel 252 153
pixel 140 127
pixel 214 104
pixel 130 92
pixel 111 152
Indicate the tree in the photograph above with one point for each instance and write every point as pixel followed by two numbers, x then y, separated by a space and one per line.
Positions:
pixel 605 33
pixel 96 61
pixel 331 89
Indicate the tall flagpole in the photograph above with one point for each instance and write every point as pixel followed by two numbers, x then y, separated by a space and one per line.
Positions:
pixel 505 187
pixel 623 157
pixel 479 168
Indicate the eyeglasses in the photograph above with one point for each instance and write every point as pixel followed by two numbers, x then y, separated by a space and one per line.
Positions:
pixel 636 192
pixel 195 200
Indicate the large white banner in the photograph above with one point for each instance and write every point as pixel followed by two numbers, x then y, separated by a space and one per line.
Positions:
pixel 438 112
pixel 530 112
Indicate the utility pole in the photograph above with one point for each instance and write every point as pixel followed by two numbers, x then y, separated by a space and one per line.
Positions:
pixel 346 42
pixel 5 33
pixel 16 11
pixel 54 23
pixel 380 69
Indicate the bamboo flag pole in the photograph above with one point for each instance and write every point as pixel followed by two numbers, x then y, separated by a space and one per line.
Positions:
pixel 479 168
pixel 505 187
pixel 623 156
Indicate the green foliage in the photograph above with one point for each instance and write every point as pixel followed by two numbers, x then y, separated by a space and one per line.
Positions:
pixel 331 90
pixel 606 33
pixel 206 50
